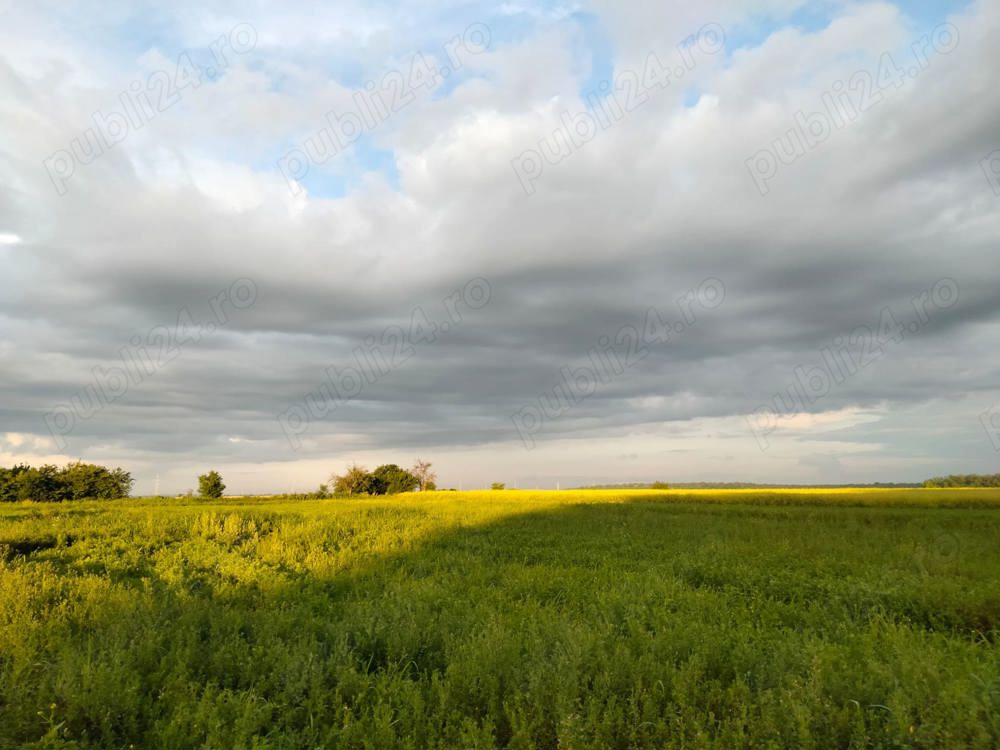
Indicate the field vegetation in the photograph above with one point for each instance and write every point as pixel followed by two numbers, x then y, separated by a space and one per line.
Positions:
pixel 515 619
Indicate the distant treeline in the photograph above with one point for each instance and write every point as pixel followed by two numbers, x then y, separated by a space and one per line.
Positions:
pixel 745 486
pixel 965 480
pixel 76 481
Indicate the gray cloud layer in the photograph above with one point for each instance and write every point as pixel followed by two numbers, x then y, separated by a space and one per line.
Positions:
pixel 880 212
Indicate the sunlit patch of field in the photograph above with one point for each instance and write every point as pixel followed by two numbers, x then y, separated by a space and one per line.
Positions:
pixel 581 619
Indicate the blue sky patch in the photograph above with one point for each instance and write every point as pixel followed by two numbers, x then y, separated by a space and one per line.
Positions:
pixel 597 50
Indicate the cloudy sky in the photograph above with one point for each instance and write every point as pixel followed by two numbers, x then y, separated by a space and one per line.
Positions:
pixel 565 242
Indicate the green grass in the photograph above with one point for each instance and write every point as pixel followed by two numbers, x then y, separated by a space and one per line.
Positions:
pixel 597 619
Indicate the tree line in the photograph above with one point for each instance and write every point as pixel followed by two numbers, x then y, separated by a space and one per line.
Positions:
pixel 387 479
pixel 965 480
pixel 76 481
pixel 83 481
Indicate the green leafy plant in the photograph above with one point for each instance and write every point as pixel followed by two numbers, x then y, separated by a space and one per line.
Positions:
pixel 210 485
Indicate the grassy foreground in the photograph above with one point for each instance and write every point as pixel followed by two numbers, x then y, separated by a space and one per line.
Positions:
pixel 590 619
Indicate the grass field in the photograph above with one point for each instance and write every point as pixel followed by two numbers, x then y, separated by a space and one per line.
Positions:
pixel 588 619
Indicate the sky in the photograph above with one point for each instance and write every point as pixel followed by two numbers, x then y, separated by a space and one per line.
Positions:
pixel 558 243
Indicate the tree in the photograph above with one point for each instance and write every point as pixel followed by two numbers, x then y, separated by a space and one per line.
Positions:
pixel 9 485
pixel 498 486
pixel 120 483
pixel 95 482
pixel 77 481
pixel 964 480
pixel 351 482
pixel 659 486
pixel 41 484
pixel 371 485
pixel 210 485
pixel 425 477
pixel 396 479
